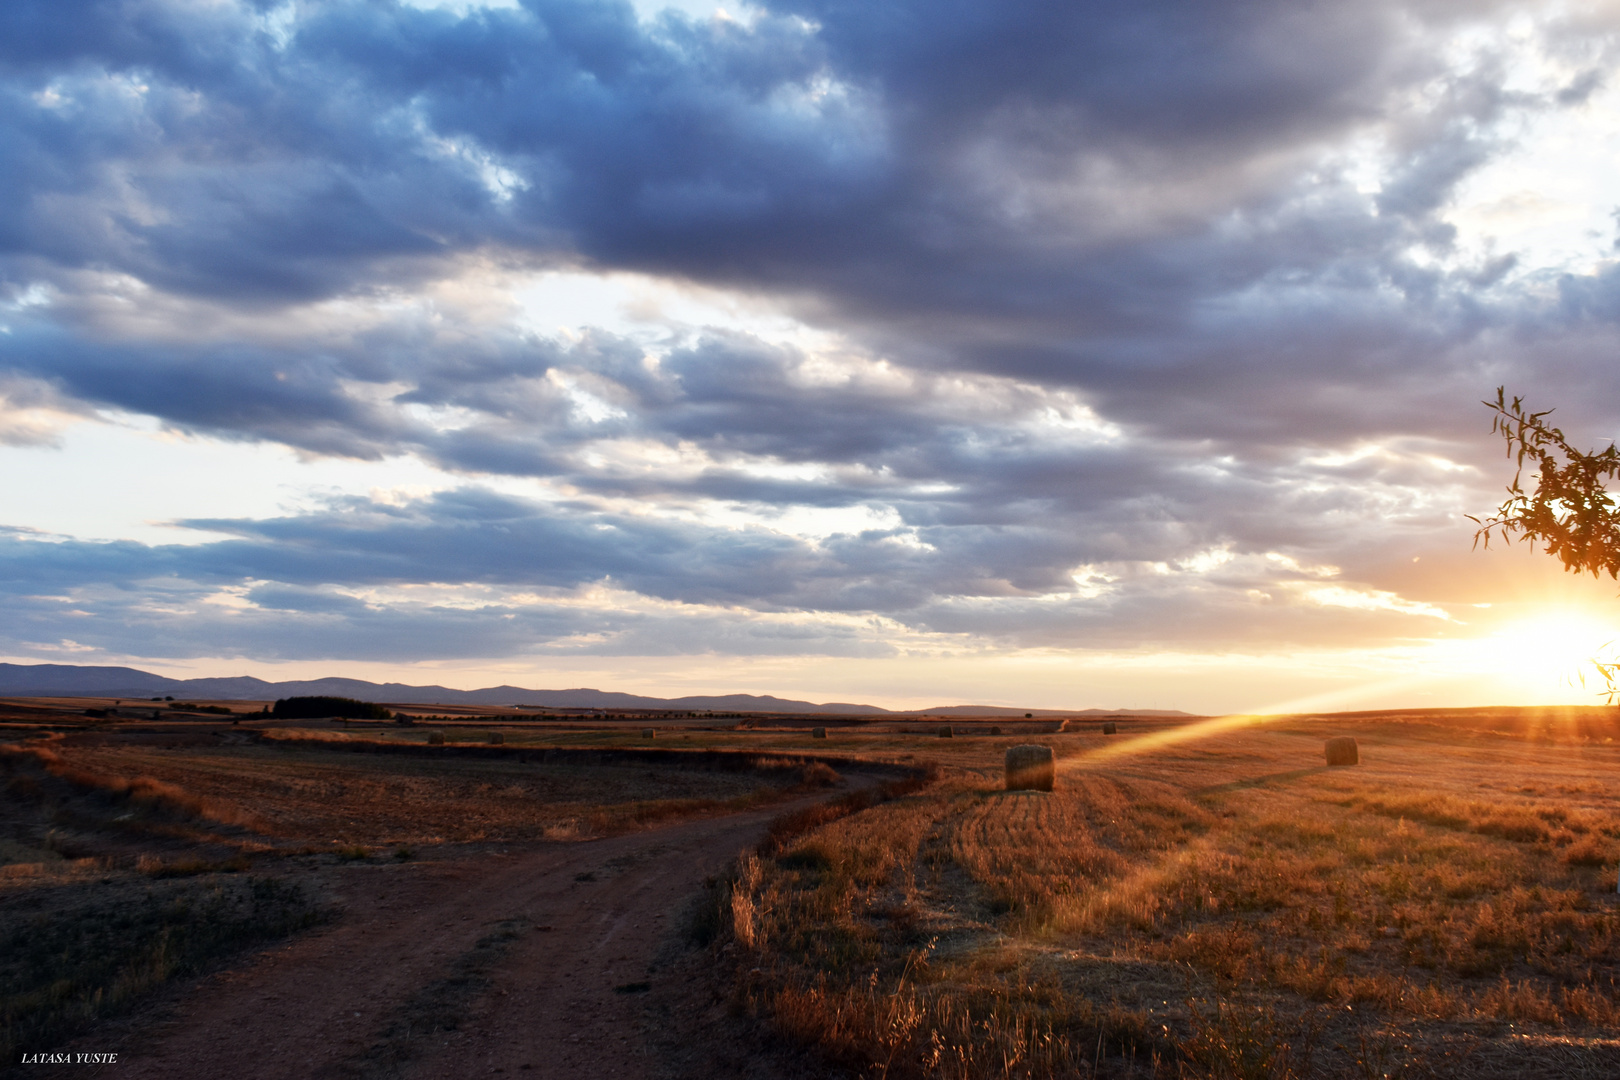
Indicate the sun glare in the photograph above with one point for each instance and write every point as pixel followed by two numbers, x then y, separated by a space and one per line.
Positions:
pixel 1551 651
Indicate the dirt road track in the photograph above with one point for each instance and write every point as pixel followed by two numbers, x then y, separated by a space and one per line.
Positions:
pixel 568 931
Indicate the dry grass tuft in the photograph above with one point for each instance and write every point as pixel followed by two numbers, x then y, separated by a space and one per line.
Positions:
pixel 1238 1042
pixel 1588 852
pixel 818 774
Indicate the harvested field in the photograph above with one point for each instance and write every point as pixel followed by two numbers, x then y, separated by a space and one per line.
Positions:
pixel 309 792
pixel 1226 906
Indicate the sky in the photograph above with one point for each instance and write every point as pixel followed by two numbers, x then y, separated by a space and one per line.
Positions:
pixel 972 351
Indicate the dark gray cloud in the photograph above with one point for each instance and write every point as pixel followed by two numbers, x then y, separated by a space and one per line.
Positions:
pixel 1110 292
pixel 473 573
pixel 909 158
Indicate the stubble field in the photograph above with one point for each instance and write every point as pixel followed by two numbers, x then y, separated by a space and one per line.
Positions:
pixel 1225 906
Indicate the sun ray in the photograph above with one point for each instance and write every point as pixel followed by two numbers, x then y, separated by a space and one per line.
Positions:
pixel 1221 725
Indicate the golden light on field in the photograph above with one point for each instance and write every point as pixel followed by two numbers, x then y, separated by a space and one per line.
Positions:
pixel 1157 740
pixel 1546 659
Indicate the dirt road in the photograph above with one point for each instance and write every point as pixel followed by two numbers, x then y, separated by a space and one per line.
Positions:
pixel 529 963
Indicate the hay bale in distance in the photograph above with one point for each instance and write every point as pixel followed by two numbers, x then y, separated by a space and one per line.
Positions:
pixel 648 733
pixel 1342 751
pixel 945 732
pixel 995 729
pixel 435 738
pixel 818 733
pixel 1109 727
pixel 1030 768
pixel 496 739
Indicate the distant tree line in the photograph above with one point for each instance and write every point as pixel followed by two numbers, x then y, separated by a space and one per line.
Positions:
pixel 308 708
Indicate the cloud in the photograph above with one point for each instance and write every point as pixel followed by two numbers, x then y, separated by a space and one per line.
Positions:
pixel 470 573
pixel 34 413
pixel 1049 289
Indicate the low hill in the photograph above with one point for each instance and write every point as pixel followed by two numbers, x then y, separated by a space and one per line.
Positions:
pixel 70 680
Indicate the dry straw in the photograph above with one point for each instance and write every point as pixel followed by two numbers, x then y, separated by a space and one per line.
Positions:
pixel 1030 768
pixel 1342 751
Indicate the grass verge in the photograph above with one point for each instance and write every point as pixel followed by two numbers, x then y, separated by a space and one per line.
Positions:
pixel 64 969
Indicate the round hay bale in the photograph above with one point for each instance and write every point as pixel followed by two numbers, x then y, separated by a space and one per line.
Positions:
pixel 435 738
pixel 995 729
pixel 818 733
pixel 497 739
pixel 1030 768
pixel 1109 727
pixel 945 732
pixel 648 733
pixel 1342 751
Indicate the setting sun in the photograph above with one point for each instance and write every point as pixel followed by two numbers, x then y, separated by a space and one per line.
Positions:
pixel 1551 652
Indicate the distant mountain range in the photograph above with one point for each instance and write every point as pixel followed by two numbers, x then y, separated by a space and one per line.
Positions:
pixel 69 680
